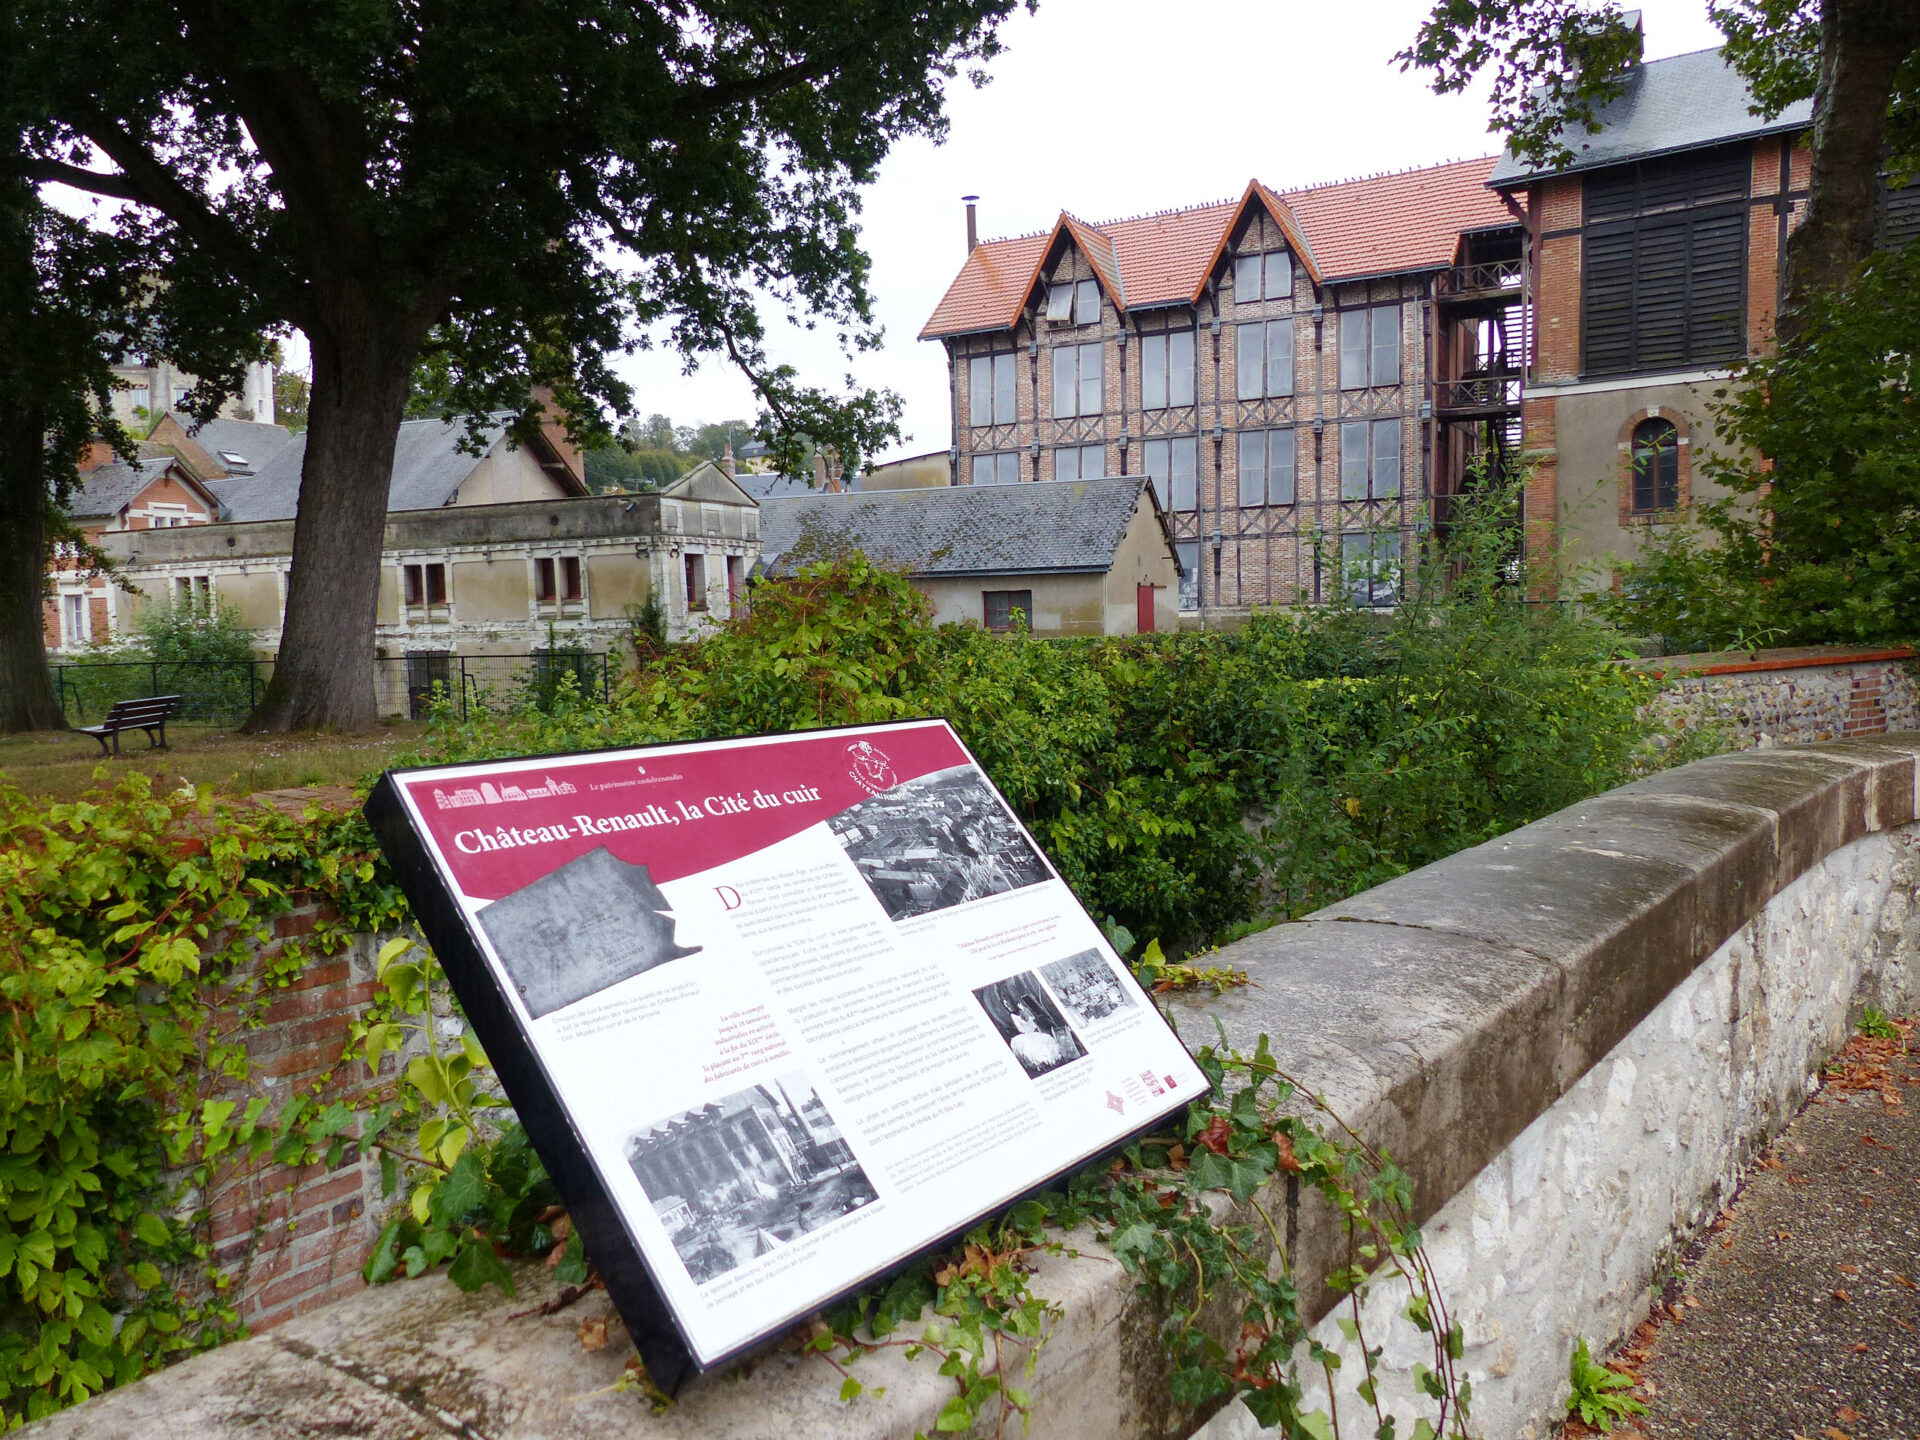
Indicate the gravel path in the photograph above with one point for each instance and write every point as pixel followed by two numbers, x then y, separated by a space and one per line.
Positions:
pixel 1798 1317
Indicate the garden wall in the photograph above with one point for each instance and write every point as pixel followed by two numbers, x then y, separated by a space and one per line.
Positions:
pixel 1571 1036
pixel 1783 697
pixel 292 1240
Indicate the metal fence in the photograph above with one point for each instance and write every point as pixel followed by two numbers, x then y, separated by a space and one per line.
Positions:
pixel 225 692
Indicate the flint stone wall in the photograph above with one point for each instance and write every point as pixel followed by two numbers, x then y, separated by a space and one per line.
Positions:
pixel 1784 697
pixel 1572 1037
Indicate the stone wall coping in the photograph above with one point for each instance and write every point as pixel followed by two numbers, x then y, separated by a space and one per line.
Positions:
pixel 1742 662
pixel 1439 1014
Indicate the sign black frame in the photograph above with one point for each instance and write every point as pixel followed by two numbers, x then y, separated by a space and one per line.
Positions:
pixel 641 1302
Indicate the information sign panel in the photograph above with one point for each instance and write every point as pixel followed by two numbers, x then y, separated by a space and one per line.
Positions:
pixel 779 1013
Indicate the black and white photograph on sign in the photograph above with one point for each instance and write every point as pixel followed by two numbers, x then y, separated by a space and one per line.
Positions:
pixel 744 1175
pixel 594 922
pixel 1030 1023
pixel 1086 986
pixel 937 841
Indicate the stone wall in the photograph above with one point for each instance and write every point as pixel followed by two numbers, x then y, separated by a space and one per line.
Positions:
pixel 1571 1037
pixel 1782 697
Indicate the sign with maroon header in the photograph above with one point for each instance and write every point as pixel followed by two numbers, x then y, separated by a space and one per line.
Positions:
pixel 779 1013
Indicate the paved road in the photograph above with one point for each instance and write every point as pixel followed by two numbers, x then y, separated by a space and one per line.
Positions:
pixel 1799 1316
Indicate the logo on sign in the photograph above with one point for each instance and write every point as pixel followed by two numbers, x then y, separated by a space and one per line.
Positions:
pixel 872 771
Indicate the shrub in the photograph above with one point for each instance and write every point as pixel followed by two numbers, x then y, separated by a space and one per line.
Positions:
pixel 1182 784
pixel 128 969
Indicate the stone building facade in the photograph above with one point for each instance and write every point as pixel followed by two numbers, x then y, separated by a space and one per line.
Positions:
pixel 1272 362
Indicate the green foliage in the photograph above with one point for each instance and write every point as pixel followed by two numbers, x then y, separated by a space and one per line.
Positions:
pixel 128 934
pixel 1182 784
pixel 193 633
pixel 1596 1396
pixel 1876 1025
pixel 1823 544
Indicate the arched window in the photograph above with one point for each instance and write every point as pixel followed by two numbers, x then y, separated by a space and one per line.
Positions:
pixel 1656 467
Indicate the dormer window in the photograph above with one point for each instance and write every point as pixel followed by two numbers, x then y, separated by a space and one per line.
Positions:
pixel 1263 277
pixel 1074 302
pixel 236 463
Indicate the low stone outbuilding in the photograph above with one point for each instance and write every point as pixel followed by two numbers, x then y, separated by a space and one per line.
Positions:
pixel 1079 557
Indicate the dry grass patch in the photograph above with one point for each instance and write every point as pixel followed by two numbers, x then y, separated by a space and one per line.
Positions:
pixel 62 766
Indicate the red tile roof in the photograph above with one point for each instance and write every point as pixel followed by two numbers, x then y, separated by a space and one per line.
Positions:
pixel 1378 225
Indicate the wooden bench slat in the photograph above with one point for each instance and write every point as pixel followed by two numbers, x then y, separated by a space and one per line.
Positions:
pixel 148 713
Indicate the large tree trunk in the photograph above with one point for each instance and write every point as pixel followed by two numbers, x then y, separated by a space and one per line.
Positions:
pixel 27 701
pixel 323 679
pixel 1863 43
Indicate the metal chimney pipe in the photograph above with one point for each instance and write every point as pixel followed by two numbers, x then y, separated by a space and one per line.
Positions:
pixel 973 231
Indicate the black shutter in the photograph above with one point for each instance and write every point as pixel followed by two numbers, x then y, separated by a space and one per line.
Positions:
pixel 1663 284
pixel 1607 301
pixel 1716 321
pixel 1899 215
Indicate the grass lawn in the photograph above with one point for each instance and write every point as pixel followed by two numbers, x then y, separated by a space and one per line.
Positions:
pixel 62 766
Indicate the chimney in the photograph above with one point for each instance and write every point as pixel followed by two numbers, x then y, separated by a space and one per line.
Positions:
pixel 973 231
pixel 95 454
pixel 726 459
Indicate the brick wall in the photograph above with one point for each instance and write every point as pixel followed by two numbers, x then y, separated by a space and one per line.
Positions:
pixel 292 1239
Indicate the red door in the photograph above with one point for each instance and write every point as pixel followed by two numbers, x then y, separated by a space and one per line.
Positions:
pixel 1143 608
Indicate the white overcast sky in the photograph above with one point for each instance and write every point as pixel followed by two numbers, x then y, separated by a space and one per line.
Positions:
pixel 1110 108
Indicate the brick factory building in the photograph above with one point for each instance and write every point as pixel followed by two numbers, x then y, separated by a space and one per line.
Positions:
pixel 1299 371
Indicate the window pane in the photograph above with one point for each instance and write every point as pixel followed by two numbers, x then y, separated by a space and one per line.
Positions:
pixel 1280 467
pixel 1008 466
pixel 1153 372
pixel 982 470
pixel 1246 279
pixel 1093 462
pixel 1188 553
pixel 1065 389
pixel 1386 458
pixel 1356 556
pixel 1091 397
pixel 1183 457
pixel 1180 368
pixel 1250 364
pixel 980 391
pixel 1060 302
pixel 436 585
pixel 1066 464
pixel 1004 403
pixel 1086 303
pixel 1386 569
pixel 1353 460
pixel 1153 457
pixel 1279 275
pixel 1279 357
pixel 1353 349
pixel 1386 345
pixel 1253 467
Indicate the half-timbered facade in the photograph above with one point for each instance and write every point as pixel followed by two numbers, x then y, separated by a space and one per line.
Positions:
pixel 1271 362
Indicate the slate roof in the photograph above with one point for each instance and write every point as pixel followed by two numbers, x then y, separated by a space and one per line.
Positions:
pixel 428 466
pixel 766 486
pixel 257 442
pixel 109 489
pixel 1684 102
pixel 1376 225
pixel 1038 526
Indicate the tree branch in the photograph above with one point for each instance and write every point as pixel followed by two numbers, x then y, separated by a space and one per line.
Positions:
pixel 114 187
pixel 153 185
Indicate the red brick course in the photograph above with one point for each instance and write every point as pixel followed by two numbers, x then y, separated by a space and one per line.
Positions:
pixel 291 1239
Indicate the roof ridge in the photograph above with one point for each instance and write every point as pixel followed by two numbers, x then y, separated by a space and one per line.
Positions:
pixel 1383 174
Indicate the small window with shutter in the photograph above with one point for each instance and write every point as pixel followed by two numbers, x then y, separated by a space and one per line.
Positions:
pixel 1060 302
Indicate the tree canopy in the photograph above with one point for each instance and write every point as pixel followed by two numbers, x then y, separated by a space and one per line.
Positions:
pixel 515 191
pixel 1555 64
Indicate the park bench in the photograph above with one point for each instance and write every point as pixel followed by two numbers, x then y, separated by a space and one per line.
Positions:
pixel 149 714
